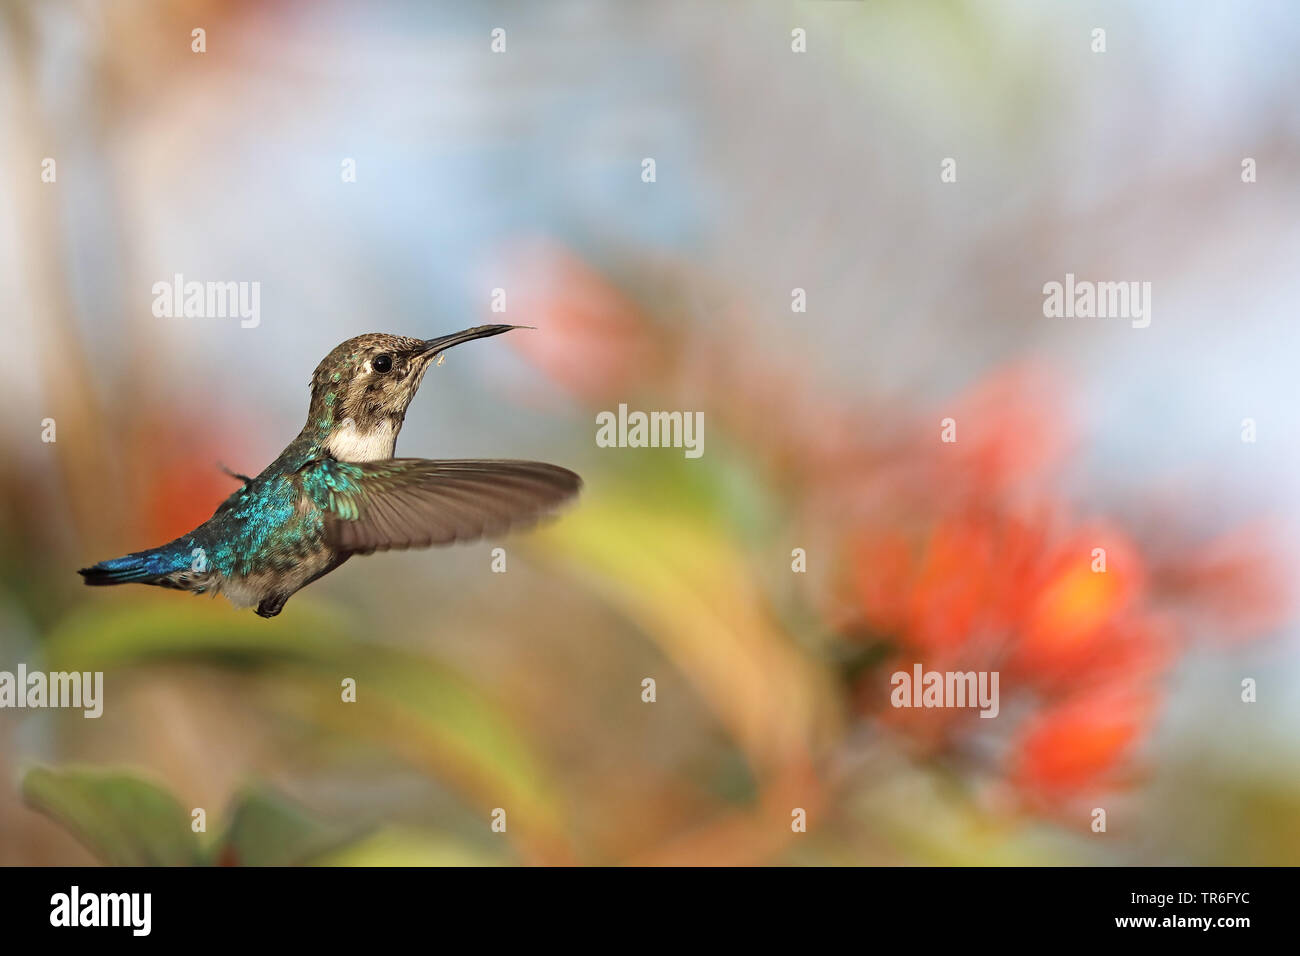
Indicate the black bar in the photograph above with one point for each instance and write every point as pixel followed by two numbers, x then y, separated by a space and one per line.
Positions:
pixel 458 907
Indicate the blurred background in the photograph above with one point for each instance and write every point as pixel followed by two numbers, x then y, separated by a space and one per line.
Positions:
pixel 775 170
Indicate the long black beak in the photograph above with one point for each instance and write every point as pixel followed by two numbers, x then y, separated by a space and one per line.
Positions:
pixel 432 347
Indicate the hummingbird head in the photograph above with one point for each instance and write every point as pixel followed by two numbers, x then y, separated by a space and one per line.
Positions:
pixel 361 390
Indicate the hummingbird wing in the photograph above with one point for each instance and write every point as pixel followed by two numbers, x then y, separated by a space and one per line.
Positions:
pixel 415 503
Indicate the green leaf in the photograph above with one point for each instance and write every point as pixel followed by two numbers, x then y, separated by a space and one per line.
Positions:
pixel 266 829
pixel 122 819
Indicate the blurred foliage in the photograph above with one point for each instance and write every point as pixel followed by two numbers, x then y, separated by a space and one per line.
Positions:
pixel 123 820
pixel 407 703
pixel 127 821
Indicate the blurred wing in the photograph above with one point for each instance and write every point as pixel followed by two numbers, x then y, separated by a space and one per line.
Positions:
pixel 415 503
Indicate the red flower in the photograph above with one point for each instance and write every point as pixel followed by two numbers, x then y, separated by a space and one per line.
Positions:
pixel 596 342
pixel 1080 742
pixel 1011 428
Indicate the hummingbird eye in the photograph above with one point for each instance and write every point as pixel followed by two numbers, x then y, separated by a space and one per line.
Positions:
pixel 382 363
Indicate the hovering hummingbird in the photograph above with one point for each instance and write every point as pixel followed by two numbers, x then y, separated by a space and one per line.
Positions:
pixel 337 490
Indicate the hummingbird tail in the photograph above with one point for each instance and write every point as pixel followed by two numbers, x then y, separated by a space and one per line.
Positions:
pixel 146 567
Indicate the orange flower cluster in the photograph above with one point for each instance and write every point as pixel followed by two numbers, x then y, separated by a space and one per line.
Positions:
pixel 1074 645
pixel 982 568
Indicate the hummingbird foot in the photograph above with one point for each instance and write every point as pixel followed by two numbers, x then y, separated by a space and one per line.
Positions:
pixel 272 605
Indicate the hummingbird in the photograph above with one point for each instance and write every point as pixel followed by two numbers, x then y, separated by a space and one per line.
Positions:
pixel 336 490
